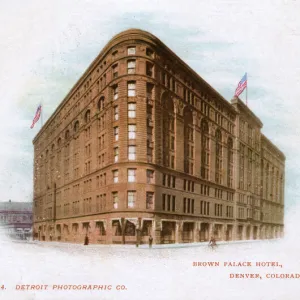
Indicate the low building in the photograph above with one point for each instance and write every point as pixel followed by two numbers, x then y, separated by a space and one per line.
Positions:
pixel 16 219
pixel 143 145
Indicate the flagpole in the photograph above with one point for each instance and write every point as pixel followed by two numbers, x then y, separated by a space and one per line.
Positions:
pixel 42 115
pixel 247 90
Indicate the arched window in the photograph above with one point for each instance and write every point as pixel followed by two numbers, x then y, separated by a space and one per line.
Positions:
pixel 67 134
pixel 230 162
pixel 87 116
pixel 277 186
pixel 168 130
pixel 59 142
pixel 204 149
pixel 76 126
pixel 188 140
pixel 218 156
pixel 267 181
pixel 100 104
pixel 52 148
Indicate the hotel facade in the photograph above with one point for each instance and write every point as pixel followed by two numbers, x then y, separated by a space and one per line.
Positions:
pixel 142 145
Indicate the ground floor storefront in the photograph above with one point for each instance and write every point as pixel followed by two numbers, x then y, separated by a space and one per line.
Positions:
pixel 132 229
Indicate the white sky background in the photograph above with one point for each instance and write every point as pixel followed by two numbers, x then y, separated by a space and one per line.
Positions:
pixel 46 45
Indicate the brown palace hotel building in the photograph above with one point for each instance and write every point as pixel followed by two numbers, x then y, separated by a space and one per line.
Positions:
pixel 143 145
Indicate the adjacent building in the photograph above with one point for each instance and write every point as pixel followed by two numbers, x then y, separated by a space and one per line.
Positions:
pixel 16 219
pixel 142 145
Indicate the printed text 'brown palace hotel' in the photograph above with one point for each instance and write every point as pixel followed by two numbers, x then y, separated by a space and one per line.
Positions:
pixel 143 145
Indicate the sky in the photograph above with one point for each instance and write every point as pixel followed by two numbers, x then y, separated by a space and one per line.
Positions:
pixel 45 46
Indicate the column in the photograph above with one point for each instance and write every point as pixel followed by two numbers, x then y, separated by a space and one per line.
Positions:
pixel 108 229
pixel 251 232
pixel 157 228
pixel 196 233
pixel 178 232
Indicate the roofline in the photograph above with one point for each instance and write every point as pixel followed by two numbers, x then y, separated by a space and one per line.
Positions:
pixel 245 108
pixel 276 148
pixel 120 37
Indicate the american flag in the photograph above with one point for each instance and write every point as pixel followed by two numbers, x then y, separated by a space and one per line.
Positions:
pixel 241 86
pixel 37 116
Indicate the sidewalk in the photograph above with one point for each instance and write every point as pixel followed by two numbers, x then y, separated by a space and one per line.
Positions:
pixel 143 246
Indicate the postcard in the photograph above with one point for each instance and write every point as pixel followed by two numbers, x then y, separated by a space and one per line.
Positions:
pixel 149 150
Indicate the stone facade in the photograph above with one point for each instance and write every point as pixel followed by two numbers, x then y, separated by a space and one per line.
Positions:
pixel 143 145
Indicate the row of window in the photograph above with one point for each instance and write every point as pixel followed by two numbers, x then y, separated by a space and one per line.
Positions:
pixel 188 185
pixel 169 180
pixel 168 202
pixel 131 176
pixel 131 132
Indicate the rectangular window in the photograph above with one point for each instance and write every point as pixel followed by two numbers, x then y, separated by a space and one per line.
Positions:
pixel 131 196
pixel 131 110
pixel 115 199
pixel 131 66
pixel 173 181
pixel 131 89
pixel 169 202
pixel 116 154
pixel 149 200
pixel 131 175
pixel 150 176
pixel 131 152
pixel 116 176
pixel 131 51
pixel 173 203
pixel 150 89
pixel 131 131
pixel 164 202
pixel 116 133
pixel 172 146
pixel 116 113
pixel 149 69
pixel 115 92
pixel 115 70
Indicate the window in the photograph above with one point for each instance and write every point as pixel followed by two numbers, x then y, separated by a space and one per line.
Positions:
pixel 149 52
pixel 131 66
pixel 131 131
pixel 131 175
pixel 149 200
pixel 149 69
pixel 131 195
pixel 76 128
pixel 116 113
pixel 150 90
pixel 116 176
pixel 131 89
pixel 87 116
pixel 150 176
pixel 115 199
pixel 172 143
pixel 131 110
pixel 131 152
pixel 116 133
pixel 115 70
pixel 131 50
pixel 116 154
pixel 115 92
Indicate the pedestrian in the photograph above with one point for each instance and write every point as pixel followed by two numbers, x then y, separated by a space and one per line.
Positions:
pixel 86 240
pixel 150 241
pixel 212 243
